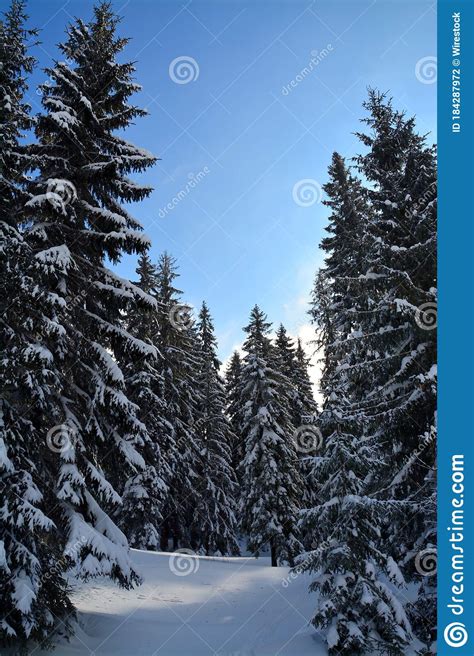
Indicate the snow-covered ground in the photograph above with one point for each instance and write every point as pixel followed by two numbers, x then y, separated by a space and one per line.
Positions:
pixel 196 607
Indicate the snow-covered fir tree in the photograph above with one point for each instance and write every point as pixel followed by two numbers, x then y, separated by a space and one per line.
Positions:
pixel 337 308
pixel 284 352
pixel 77 223
pixel 293 364
pixel 33 591
pixel 400 281
pixel 215 524
pixel 15 119
pixel 356 606
pixel 178 365
pixel 271 484
pixel 322 317
pixel 233 375
pixel 305 412
pixel 303 407
pixel 304 404
pixel 144 493
pixel 333 304
pixel 345 261
pixel 379 363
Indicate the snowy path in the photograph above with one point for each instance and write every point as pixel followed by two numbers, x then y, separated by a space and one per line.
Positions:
pixel 222 607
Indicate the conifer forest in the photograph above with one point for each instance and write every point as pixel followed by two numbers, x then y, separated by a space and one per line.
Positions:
pixel 143 479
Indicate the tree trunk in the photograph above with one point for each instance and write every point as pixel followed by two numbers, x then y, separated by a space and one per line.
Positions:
pixel 273 554
pixel 164 537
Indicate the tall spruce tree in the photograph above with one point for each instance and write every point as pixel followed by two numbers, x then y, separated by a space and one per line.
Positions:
pixel 378 378
pixel 305 404
pixel 178 366
pixel 305 412
pixel 214 525
pixel 335 309
pixel 400 411
pixel 15 119
pixel 355 605
pixel 144 494
pixel 322 317
pixel 233 375
pixel 285 360
pixel 293 364
pixel 77 223
pixel 33 591
pixel 271 482
pixel 302 406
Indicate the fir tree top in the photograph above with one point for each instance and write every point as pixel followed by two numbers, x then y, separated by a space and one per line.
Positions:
pixel 234 365
pixel 347 199
pixel 84 165
pixel 15 119
pixel 286 350
pixel 167 273
pixel 147 273
pixel 258 342
pixel 206 336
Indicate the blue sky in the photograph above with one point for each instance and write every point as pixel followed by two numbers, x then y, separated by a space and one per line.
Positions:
pixel 239 235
